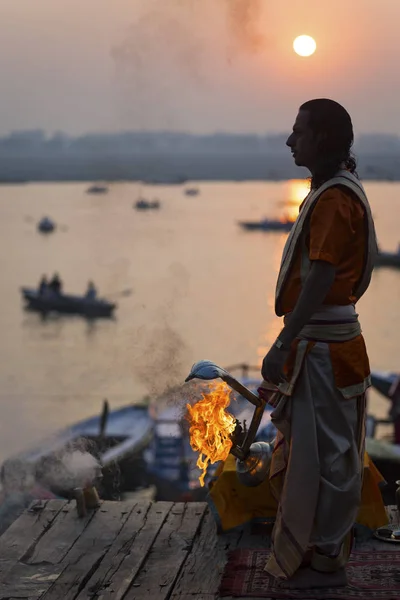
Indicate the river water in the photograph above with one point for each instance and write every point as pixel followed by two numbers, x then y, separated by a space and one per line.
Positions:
pixel 189 282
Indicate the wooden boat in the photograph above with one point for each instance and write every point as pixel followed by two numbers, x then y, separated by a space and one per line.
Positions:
pixel 388 259
pixel 192 191
pixel 97 189
pixel 46 225
pixel 267 225
pixel 170 461
pixel 383 382
pixel 116 438
pixel 386 458
pixel 67 304
pixel 385 453
pixel 143 204
pixel 386 384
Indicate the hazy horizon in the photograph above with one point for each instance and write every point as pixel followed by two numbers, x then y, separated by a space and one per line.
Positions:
pixel 195 66
pixel 49 135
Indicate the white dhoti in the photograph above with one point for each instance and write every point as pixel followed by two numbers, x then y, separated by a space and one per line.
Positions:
pixel 318 451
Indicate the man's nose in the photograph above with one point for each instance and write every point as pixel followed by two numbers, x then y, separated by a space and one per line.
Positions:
pixel 289 141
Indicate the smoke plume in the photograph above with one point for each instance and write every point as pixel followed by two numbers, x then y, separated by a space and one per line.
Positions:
pixel 175 55
pixel 244 23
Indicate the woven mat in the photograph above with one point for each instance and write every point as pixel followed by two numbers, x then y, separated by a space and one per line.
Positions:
pixel 370 575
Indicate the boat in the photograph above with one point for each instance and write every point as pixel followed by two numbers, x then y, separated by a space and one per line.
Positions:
pixel 388 259
pixel 383 382
pixel 173 180
pixel 143 204
pixel 192 191
pixel 97 189
pixel 386 458
pixel 115 438
pixel 385 453
pixel 171 462
pixel 387 384
pixel 267 225
pixel 67 304
pixel 46 225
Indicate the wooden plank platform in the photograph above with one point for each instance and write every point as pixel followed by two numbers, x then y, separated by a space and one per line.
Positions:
pixel 134 550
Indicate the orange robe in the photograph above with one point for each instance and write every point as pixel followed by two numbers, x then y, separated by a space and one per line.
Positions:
pixel 337 236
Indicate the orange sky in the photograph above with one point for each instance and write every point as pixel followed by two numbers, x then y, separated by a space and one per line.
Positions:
pixel 197 65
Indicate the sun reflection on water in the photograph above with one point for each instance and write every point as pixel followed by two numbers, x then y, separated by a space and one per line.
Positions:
pixel 297 190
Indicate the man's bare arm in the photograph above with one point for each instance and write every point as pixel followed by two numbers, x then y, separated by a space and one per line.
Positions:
pixel 315 289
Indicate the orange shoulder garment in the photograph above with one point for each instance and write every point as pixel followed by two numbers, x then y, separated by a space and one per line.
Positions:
pixel 337 234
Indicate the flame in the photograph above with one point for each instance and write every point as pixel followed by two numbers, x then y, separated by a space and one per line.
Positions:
pixel 210 427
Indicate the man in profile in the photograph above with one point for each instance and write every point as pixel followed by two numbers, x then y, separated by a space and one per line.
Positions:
pixel 319 359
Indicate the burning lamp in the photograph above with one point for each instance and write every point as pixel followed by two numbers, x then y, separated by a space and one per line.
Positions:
pixel 253 460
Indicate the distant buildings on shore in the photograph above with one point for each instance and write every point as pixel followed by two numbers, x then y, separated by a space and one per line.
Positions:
pixel 167 157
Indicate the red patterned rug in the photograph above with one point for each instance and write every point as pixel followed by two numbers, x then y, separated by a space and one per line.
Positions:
pixel 370 575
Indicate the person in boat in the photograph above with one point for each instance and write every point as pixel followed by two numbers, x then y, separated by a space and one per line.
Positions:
pixel 56 285
pixel 319 360
pixel 43 285
pixel 91 292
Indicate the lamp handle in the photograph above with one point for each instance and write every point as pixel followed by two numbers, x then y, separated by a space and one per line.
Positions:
pixel 242 451
pixel 242 389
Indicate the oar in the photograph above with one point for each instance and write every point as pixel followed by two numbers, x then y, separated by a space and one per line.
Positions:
pixel 104 418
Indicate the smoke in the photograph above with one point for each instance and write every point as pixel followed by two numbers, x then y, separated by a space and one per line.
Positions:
pixel 160 352
pixel 176 52
pixel 161 362
pixel 61 471
pixel 244 23
pixel 185 33
pixel 68 469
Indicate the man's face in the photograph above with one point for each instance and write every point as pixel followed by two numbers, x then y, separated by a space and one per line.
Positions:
pixel 302 141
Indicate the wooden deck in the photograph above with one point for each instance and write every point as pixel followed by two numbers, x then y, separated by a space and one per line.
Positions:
pixel 135 550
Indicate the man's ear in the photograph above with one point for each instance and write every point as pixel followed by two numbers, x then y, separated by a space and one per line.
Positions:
pixel 320 138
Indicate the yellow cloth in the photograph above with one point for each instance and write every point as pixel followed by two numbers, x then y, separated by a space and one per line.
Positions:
pixel 372 511
pixel 235 504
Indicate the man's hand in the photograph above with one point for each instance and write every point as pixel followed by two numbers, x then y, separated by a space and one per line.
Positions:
pixel 273 363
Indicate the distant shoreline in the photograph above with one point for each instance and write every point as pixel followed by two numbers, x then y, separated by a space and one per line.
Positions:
pixel 5 182
pixel 168 168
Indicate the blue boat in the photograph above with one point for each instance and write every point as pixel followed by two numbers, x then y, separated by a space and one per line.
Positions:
pixel 192 191
pixel 267 225
pixel 97 189
pixel 143 204
pixel 46 225
pixel 383 382
pixel 388 259
pixel 67 304
pixel 116 438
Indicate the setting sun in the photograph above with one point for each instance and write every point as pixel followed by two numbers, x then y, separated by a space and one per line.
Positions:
pixel 304 45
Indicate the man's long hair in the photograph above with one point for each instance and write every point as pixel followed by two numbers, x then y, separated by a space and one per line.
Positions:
pixel 330 119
